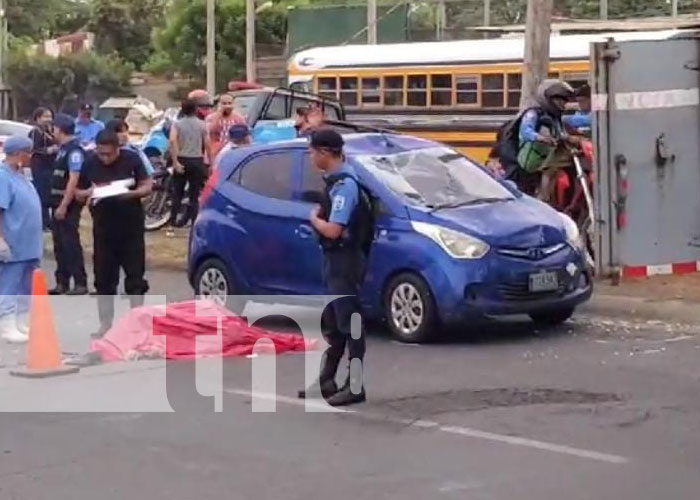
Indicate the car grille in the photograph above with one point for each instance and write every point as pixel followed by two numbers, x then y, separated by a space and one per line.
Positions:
pixel 534 253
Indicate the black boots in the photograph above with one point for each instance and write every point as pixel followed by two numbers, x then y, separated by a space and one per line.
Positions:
pixel 352 392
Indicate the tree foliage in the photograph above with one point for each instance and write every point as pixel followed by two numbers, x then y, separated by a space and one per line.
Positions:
pixel 41 19
pixel 126 26
pixel 39 80
pixel 181 43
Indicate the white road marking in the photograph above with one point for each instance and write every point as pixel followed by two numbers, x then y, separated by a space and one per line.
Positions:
pixel 448 429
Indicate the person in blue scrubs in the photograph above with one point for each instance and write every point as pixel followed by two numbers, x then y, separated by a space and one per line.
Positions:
pixel 21 243
pixel 86 127
pixel 341 230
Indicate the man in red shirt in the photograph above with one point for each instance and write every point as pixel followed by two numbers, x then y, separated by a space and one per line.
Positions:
pixel 219 123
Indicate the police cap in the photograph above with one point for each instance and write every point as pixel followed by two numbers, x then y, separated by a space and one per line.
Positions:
pixel 327 139
pixel 65 123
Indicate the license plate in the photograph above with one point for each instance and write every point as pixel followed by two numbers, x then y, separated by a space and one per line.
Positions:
pixel 544 282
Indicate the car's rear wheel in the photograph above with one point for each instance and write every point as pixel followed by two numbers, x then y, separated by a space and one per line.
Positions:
pixel 213 281
pixel 554 317
pixel 409 309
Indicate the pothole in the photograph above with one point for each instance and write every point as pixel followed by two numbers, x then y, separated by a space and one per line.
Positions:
pixel 474 400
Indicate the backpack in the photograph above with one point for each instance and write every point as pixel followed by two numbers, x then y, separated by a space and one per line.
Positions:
pixel 508 146
pixel 363 220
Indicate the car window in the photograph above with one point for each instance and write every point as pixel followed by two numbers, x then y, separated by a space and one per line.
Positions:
pixel 435 177
pixel 243 104
pixel 270 174
pixel 312 183
pixel 279 108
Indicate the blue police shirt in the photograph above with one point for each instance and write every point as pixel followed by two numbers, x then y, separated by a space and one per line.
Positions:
pixel 344 195
pixel 76 157
pixel 147 166
pixel 87 132
pixel 21 215
pixel 578 120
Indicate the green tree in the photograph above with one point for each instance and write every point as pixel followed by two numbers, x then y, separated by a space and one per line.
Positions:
pixel 41 19
pixel 126 26
pixel 41 80
pixel 181 44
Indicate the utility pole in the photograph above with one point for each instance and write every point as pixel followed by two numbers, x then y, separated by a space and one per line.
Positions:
pixel 674 8
pixel 536 64
pixel 440 20
pixel 250 41
pixel 487 12
pixel 211 47
pixel 604 10
pixel 372 22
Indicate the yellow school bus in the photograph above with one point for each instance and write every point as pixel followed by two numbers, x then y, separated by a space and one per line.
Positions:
pixel 456 92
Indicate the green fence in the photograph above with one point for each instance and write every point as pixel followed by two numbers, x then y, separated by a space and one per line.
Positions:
pixel 334 25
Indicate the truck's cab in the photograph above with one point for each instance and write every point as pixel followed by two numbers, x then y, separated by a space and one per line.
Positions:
pixel 271 113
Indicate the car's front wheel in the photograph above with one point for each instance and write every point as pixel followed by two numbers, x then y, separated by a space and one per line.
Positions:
pixel 409 309
pixel 554 317
pixel 213 281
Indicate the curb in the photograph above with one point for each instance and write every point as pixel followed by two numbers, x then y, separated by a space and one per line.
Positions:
pixel 630 308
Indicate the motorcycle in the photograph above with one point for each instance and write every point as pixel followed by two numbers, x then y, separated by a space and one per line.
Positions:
pixel 158 205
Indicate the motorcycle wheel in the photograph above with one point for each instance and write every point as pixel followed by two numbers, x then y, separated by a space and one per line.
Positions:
pixel 157 210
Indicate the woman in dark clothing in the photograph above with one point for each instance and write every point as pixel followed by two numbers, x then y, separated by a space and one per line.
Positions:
pixel 43 157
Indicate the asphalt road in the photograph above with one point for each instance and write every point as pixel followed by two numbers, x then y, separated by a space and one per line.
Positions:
pixel 595 409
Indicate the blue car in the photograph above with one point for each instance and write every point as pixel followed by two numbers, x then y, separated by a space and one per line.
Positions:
pixel 451 242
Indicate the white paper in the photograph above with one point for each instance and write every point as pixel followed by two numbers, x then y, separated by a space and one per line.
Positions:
pixel 114 188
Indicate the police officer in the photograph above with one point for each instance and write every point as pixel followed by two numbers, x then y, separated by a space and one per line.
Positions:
pixel 341 223
pixel 68 250
pixel 118 223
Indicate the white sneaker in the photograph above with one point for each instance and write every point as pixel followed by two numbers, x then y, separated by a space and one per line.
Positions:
pixel 9 331
pixel 22 321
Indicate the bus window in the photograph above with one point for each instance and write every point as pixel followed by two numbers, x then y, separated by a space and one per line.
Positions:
pixel 576 79
pixel 515 83
pixel 467 89
pixel 393 90
pixel 441 90
pixel 348 90
pixel 371 93
pixel 417 90
pixel 554 75
pixel 328 87
pixel 492 91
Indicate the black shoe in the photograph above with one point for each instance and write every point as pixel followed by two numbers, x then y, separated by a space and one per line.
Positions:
pixel 327 390
pixel 346 397
pixel 59 290
pixel 100 333
pixel 78 290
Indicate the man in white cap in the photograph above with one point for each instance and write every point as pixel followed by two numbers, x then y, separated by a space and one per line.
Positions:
pixel 21 244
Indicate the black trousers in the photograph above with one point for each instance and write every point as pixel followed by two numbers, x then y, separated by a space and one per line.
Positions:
pixel 119 245
pixel 194 175
pixel 343 274
pixel 68 249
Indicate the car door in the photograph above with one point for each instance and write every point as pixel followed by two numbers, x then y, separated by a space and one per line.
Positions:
pixel 307 271
pixel 260 201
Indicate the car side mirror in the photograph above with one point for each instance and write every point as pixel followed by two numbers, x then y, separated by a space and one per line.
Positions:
pixel 312 197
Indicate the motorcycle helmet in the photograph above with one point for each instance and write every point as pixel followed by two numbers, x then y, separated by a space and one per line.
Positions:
pixel 203 101
pixel 549 90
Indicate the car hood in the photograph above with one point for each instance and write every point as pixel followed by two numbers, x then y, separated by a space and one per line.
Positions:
pixel 520 223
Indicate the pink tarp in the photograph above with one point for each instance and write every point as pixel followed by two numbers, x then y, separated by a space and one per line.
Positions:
pixel 170 332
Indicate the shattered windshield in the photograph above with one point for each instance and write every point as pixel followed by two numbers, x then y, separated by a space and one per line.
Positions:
pixel 435 178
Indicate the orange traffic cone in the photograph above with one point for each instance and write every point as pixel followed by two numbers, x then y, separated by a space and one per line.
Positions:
pixel 43 352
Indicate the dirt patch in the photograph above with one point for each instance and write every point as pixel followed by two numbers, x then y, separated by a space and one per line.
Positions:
pixel 685 287
pixel 164 249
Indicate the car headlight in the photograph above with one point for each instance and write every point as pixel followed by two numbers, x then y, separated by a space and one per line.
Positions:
pixel 457 245
pixel 573 235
